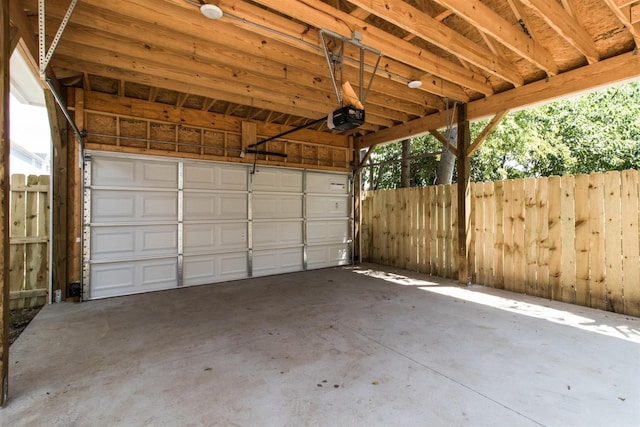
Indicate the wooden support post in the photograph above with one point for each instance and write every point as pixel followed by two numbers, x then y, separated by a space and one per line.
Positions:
pixel 58 125
pixel 5 56
pixel 249 134
pixel 74 195
pixel 464 196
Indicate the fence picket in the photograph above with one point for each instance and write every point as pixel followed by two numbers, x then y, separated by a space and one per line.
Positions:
pixel 556 194
pixel 582 240
pixel 542 238
pixel 613 241
pixel 597 278
pixel 567 240
pixel 631 242
pixel 530 240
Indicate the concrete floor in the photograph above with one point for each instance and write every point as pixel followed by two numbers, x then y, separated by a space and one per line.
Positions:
pixel 337 347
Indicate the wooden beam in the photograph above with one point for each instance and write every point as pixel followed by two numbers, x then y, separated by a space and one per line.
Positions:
pixel 322 15
pixel 366 157
pixel 242 42
pixel 622 11
pixel 635 13
pixel 443 140
pixel 249 134
pixel 427 28
pixel 489 22
pixel 136 108
pixel 21 22
pixel 99 48
pixel 490 127
pixel 5 191
pixel 604 73
pixel 74 194
pixel 565 25
pixel 464 196
pixel 59 212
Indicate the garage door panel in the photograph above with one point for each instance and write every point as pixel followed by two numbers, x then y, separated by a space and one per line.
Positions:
pixel 336 231
pixel 327 256
pixel 215 237
pixel 123 242
pixel 204 269
pixel 277 233
pixel 277 206
pixel 122 172
pixel 327 206
pixel 277 180
pixel 214 177
pixel 276 262
pixel 212 206
pixel 132 206
pixel 327 183
pixel 131 277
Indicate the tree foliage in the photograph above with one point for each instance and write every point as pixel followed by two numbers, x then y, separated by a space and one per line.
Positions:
pixel 599 131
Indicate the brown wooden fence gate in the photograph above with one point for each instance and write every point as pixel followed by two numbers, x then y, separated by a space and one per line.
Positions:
pixel 29 240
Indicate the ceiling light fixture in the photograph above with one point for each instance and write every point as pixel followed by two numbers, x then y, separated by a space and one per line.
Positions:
pixel 414 84
pixel 211 11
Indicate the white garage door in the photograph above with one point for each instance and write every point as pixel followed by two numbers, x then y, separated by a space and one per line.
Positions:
pixel 153 224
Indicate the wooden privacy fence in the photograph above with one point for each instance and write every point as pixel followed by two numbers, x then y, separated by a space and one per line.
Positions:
pixel 29 240
pixel 574 238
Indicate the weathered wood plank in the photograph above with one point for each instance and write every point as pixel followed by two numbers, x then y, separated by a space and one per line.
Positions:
pixel 597 279
pixel 499 248
pixel 530 240
pixel 433 227
pixel 476 248
pixel 18 228
pixel 613 241
pixel 489 233
pixel 567 238
pixel 555 237
pixel 509 237
pixel 5 56
pixel 518 214
pixel 542 237
pixel 631 241
pixel 454 258
pixel 582 239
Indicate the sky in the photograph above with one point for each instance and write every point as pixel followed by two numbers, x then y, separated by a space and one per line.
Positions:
pixel 29 126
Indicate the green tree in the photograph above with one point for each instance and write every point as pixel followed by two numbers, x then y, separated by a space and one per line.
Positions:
pixel 596 132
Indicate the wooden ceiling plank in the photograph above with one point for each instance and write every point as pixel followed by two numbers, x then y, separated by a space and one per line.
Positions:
pixel 566 26
pixel 239 82
pixel 429 29
pixel 182 84
pixel 606 72
pixel 623 13
pixel 523 20
pixel 321 15
pixel 568 6
pixel 489 22
pixel 253 39
pixel 384 93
